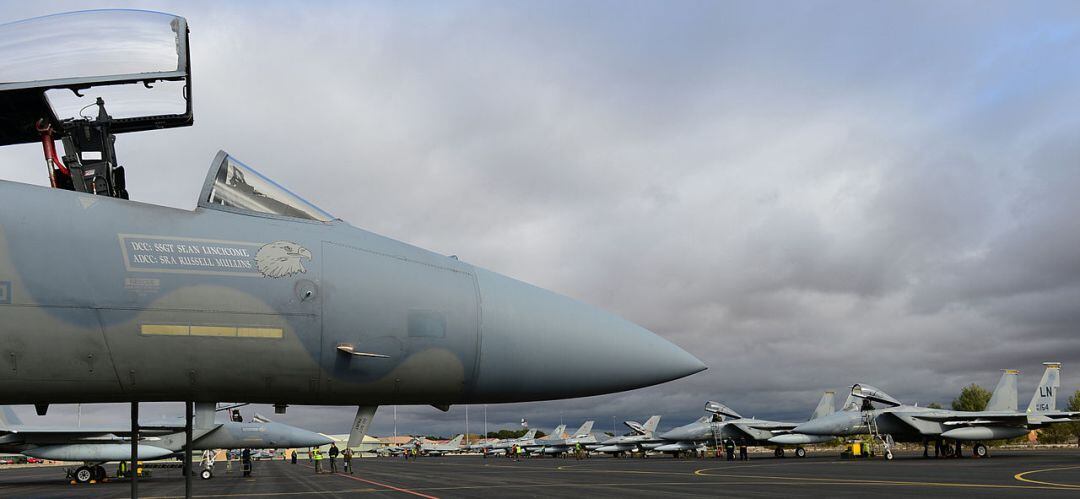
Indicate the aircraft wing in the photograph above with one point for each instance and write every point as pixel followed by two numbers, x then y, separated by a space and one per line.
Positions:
pixel 963 418
pixel 753 432
pixel 87 431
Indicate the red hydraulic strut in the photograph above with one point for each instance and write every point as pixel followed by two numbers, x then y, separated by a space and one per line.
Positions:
pixel 49 146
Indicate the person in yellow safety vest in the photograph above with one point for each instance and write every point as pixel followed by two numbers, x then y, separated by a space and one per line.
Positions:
pixel 317 456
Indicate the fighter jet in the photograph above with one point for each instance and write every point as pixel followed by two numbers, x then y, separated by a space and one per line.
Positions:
pixel 537 445
pixel 896 421
pixel 504 446
pixel 429 448
pixel 256 294
pixel 723 423
pixel 642 438
pixel 95 446
pixel 582 436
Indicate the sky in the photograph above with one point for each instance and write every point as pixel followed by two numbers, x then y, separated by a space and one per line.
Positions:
pixel 804 195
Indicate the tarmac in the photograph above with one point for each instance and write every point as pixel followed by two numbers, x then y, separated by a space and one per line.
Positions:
pixel 1013 473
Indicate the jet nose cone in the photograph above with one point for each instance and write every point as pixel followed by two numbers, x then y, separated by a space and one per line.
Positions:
pixel 537 345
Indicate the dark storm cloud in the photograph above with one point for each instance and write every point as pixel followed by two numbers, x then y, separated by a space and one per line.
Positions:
pixel 803 194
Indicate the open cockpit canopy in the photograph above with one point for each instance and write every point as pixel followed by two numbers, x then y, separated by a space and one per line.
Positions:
pixel 236 187
pixel 55 68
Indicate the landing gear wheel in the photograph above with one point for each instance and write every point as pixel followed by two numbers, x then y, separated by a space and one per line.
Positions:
pixel 980 450
pixel 800 452
pixel 99 473
pixel 947 450
pixel 83 474
pixel 206 474
pixel 778 452
pixel 888 455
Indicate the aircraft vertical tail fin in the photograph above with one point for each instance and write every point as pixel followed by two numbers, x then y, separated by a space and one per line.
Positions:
pixel 529 435
pixel 1045 398
pixel 825 406
pixel 456 442
pixel 558 431
pixel 651 424
pixel 8 417
pixel 584 430
pixel 1005 397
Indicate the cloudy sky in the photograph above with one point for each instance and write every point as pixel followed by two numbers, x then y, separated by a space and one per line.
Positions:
pixel 803 194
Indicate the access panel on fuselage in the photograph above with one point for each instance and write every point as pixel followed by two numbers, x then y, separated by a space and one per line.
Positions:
pixel 423 314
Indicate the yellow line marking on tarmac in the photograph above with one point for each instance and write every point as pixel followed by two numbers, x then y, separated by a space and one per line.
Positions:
pixel 1020 476
pixel 859 481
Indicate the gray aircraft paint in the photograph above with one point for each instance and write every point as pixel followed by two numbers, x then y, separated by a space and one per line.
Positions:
pixel 912 423
pixel 108 300
pixel 101 325
pixel 94 444
pixel 1004 397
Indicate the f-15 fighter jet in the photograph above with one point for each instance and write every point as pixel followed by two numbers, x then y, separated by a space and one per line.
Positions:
pixel 95 446
pixel 900 422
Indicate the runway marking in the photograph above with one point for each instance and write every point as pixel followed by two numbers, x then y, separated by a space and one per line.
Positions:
pixel 858 481
pixel 391 487
pixel 372 482
pixel 1020 476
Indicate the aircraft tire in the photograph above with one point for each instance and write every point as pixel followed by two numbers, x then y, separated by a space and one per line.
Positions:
pixel 99 473
pixel 83 474
pixel 206 474
pixel 800 452
pixel 779 452
pixel 888 455
pixel 980 450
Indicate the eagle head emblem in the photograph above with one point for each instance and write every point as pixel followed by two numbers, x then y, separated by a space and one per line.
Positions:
pixel 281 259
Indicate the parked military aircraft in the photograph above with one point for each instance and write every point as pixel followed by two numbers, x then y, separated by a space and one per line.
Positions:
pixel 255 295
pixel 429 448
pixel 642 438
pixel 501 446
pixel 97 445
pixel 559 442
pixel 723 423
pixel 901 422
pixel 535 445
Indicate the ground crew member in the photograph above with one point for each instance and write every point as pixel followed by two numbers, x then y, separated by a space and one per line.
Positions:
pixel 577 451
pixel 333 457
pixel 294 456
pixel 346 456
pixel 729 446
pixel 317 456
pixel 245 461
pixel 743 456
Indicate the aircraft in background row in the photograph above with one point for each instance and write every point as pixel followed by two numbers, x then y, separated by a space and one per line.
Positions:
pixel 642 438
pixel 900 422
pixel 722 423
pixel 95 445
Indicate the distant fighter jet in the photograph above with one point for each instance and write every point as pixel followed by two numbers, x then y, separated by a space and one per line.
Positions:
pixel 97 445
pixel 503 446
pixel 901 422
pixel 256 295
pixel 429 448
pixel 583 436
pixel 642 438
pixel 723 423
